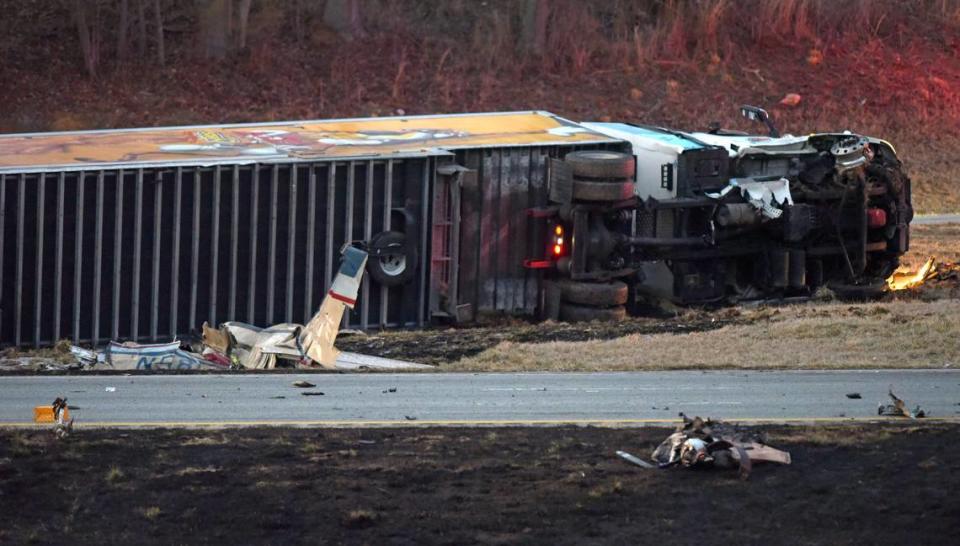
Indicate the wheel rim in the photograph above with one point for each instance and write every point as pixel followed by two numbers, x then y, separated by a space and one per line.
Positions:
pixel 393 264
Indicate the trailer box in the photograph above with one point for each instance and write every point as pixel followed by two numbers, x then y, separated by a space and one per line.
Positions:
pixel 144 234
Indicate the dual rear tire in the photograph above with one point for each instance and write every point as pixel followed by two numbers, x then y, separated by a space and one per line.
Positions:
pixel 592 301
pixel 600 176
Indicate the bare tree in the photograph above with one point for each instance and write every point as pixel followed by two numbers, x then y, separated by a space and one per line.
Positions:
pixel 123 29
pixel 215 27
pixel 243 16
pixel 142 22
pixel 345 17
pixel 298 26
pixel 89 34
pixel 161 55
pixel 535 17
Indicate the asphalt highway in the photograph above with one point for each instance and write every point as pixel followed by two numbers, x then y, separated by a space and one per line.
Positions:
pixel 936 219
pixel 493 398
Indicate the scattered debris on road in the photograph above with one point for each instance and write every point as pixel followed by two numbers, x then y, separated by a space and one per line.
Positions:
pixel 698 442
pixel 57 413
pixel 312 393
pixel 854 395
pixel 303 384
pixel 899 408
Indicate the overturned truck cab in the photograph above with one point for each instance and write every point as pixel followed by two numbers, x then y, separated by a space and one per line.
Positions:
pixel 722 216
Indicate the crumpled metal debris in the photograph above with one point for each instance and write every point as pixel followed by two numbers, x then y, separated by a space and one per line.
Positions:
pixel 769 196
pixel 56 413
pixel 706 443
pixel 931 270
pixel 237 345
pixel 899 408
pixel 157 356
pixel 63 427
pixel 634 459
pixel 294 345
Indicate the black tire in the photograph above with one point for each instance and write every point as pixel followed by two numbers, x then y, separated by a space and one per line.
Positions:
pixel 869 290
pixel 570 312
pixel 598 294
pixel 585 190
pixel 392 261
pixel 600 164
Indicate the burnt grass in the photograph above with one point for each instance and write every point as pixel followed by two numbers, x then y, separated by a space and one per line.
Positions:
pixel 847 485
pixel 443 345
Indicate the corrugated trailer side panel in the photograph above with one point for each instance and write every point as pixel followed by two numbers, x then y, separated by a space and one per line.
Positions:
pixel 149 254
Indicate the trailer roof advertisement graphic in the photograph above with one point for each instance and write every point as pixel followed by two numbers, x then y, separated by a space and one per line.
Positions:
pixel 335 139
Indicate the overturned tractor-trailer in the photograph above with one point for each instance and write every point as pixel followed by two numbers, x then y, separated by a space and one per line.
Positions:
pixel 144 234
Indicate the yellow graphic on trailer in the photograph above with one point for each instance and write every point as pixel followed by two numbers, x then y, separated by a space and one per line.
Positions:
pixel 374 137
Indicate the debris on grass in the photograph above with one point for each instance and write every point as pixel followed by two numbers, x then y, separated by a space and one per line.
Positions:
pixel 634 459
pixel 114 475
pixel 151 513
pixel 358 519
pixel 706 443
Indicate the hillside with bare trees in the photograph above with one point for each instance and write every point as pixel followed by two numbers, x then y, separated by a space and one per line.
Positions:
pixel 889 68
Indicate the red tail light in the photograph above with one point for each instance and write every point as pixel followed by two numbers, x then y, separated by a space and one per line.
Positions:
pixel 876 218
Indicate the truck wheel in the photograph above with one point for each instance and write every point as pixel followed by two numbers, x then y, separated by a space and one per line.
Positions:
pixel 396 262
pixel 586 190
pixel 599 294
pixel 570 312
pixel 600 164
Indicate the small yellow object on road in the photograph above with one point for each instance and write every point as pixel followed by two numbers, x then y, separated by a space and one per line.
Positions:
pixel 44 414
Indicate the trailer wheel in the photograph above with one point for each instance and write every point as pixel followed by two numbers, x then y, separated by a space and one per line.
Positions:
pixel 570 312
pixel 393 261
pixel 600 164
pixel 599 294
pixel 586 190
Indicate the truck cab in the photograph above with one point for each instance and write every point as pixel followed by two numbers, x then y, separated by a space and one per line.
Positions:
pixel 722 216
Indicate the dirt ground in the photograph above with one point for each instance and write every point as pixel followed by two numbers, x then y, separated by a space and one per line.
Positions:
pixel 941 241
pixel 847 485
pixel 900 334
pixel 445 345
